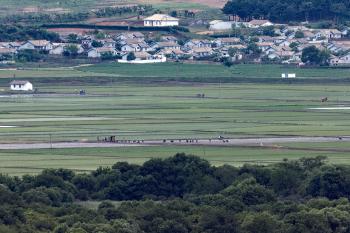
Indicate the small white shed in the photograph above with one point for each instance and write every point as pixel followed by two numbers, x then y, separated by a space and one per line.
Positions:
pixel 292 75
pixel 21 85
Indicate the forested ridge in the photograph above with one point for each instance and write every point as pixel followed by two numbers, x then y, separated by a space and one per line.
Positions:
pixel 181 194
pixel 289 10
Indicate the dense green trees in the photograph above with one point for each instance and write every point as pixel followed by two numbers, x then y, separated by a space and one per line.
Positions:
pixel 313 56
pixel 108 56
pixel 22 33
pixel 96 44
pixel 181 194
pixel 118 11
pixel 286 11
pixel 28 55
pixel 131 56
pixel 42 18
pixel 71 51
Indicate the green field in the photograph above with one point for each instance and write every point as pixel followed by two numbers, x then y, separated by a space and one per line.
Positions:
pixel 18 162
pixel 213 71
pixel 11 6
pixel 174 111
pixel 172 72
pixel 133 103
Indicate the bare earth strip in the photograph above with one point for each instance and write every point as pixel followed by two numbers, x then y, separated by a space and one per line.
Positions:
pixel 205 142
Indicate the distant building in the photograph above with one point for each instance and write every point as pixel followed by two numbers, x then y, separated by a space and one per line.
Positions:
pixel 340 61
pixel 196 43
pixel 36 44
pixel 160 20
pixel 143 58
pixel 7 51
pixel 130 35
pixel 292 75
pixel 328 34
pixel 97 52
pixel 255 23
pixel 59 48
pixel 167 45
pixel 202 52
pixel 20 85
pixel 219 25
pixel 227 41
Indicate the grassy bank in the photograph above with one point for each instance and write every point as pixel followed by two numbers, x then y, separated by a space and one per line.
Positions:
pixel 18 162
pixel 213 70
pixel 173 72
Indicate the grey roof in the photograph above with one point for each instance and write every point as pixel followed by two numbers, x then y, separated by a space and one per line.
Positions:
pixel 19 82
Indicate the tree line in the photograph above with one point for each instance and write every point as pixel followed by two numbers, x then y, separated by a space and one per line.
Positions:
pixel 286 11
pixel 181 194
pixel 119 11
pixel 23 33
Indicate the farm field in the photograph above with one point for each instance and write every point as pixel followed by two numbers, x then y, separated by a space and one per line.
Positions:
pixel 174 111
pixel 63 6
pixel 19 162
pixel 212 71
pixel 168 72
pixel 125 102
pixel 33 6
pixel 64 72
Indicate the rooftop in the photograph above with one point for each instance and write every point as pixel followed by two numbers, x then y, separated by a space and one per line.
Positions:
pixel 259 22
pixel 19 82
pixel 161 17
pixel 39 43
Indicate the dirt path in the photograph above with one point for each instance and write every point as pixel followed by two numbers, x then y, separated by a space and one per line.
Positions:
pixel 204 142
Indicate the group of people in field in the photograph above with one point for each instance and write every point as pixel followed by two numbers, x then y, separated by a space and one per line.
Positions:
pixel 184 141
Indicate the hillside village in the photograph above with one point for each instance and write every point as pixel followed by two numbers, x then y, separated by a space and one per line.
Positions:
pixel 281 44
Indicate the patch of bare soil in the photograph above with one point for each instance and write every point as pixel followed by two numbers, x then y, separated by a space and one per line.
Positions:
pixel 211 3
pixel 30 9
pixel 35 9
pixel 57 10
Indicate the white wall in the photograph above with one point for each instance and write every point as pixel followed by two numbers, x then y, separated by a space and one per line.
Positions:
pixel 221 26
pixel 157 23
pixel 163 59
pixel 26 87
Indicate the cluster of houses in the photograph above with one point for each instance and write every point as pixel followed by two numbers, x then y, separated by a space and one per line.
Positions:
pixel 121 45
pixel 220 25
pixel 285 47
pixel 9 49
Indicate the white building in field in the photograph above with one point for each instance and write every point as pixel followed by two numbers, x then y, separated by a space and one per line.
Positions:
pixel 143 58
pixel 289 75
pixel 160 20
pixel 19 85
